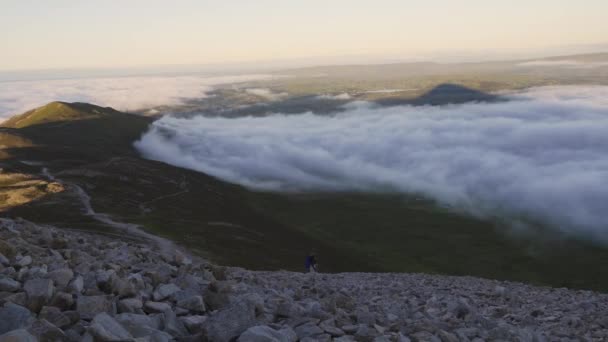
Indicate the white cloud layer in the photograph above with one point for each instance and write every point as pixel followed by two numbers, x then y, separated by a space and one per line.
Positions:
pixel 122 93
pixel 542 156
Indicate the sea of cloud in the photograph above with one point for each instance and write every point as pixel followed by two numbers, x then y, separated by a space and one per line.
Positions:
pixel 122 93
pixel 543 155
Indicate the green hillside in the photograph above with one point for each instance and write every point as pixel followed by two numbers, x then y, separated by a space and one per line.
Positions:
pixel 86 147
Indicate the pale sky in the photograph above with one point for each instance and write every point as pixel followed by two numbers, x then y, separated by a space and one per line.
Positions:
pixel 111 33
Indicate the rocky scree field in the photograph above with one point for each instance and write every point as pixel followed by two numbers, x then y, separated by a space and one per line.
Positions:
pixel 62 285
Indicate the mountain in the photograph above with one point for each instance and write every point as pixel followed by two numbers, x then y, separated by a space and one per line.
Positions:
pixel 73 165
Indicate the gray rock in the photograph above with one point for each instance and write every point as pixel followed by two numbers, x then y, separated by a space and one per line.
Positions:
pixel 105 328
pixel 76 285
pixel 130 305
pixel 141 325
pixel 332 330
pixel 19 298
pixel 104 280
pixel 24 261
pixel 39 292
pixel 18 335
pixel 164 291
pixel 309 329
pixel 172 325
pixel 61 277
pixel 346 338
pixel 62 300
pixel 89 306
pixel 156 307
pixel 54 316
pixel 4 260
pixel 194 324
pixel 46 331
pixel 13 317
pixel 194 304
pixel 263 333
pixel 231 321
pixel 9 285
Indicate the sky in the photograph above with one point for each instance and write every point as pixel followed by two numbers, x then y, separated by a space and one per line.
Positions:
pixel 136 33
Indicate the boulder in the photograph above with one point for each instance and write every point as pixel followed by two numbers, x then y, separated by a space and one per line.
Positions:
pixel 89 306
pixel 232 321
pixel 43 330
pixel 76 285
pixel 61 277
pixel 156 307
pixel 18 335
pixel 193 304
pixel 54 316
pixel 7 249
pixel 141 325
pixel 164 291
pixel 263 333
pixel 39 292
pixel 172 325
pixel 194 324
pixel 105 328
pixel 309 329
pixel 62 300
pixel 24 261
pixel 19 298
pixel 13 316
pixel 130 305
pixel 8 284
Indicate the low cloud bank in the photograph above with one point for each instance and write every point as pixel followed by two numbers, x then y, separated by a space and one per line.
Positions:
pixel 542 156
pixel 122 93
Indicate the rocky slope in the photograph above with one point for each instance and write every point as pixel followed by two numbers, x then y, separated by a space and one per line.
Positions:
pixel 60 285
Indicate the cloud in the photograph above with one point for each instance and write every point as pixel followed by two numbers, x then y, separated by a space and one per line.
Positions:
pixel 266 93
pixel 122 93
pixel 541 156
pixel 337 97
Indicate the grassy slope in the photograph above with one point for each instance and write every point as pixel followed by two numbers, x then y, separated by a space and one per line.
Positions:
pixel 260 230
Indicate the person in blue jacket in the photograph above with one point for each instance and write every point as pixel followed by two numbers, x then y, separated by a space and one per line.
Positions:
pixel 311 263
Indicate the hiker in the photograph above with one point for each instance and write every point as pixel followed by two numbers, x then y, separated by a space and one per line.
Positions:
pixel 311 263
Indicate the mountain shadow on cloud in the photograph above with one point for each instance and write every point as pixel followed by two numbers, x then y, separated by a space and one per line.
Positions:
pixel 443 94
